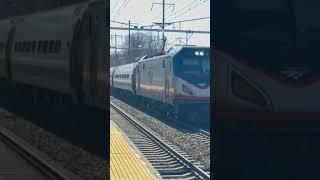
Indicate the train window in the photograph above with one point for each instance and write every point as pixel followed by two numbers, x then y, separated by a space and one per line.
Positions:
pixel 51 46
pixel 17 46
pixel 57 47
pixel 90 26
pixel 34 45
pixel 163 64
pixel 45 46
pixel 143 66
pixel 23 46
pixel 29 44
pixel 39 46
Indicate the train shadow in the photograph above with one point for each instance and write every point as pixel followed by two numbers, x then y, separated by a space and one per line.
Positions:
pixel 164 115
pixel 80 126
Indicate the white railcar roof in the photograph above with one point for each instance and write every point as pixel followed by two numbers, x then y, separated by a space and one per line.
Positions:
pixel 50 24
pixel 128 68
pixel 172 52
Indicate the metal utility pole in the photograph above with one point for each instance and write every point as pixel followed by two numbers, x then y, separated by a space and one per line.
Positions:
pixel 163 13
pixel 163 20
pixel 115 43
pixel 186 38
pixel 129 45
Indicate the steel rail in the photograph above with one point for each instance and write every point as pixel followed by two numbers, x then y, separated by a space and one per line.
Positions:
pixel 201 173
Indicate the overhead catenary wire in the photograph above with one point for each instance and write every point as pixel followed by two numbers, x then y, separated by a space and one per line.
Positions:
pixel 188 10
pixel 114 7
pixel 186 6
pixel 120 9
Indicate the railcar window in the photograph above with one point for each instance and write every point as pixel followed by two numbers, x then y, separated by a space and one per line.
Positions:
pixel 57 47
pixel 18 46
pixel 34 45
pixel 39 46
pixel 45 46
pixel 51 46
pixel 2 47
pixel 15 46
pixel 90 25
pixel 29 46
pixel 24 46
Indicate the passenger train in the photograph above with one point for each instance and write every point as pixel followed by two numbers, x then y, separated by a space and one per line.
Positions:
pixel 58 53
pixel 179 79
pixel 266 73
pixel 266 58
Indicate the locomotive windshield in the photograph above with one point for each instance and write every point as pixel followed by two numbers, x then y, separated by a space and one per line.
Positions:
pixel 193 65
pixel 274 35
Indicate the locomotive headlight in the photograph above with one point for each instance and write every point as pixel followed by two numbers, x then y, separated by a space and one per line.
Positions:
pixel 244 90
pixel 186 90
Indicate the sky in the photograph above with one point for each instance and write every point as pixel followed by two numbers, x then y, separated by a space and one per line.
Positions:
pixel 140 13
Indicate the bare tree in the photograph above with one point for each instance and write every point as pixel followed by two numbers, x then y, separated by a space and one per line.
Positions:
pixel 141 44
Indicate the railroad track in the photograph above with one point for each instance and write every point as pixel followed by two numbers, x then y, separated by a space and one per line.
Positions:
pixel 202 135
pixel 197 133
pixel 167 159
pixel 35 158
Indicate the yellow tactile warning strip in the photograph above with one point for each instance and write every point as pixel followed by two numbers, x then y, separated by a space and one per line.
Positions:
pixel 125 163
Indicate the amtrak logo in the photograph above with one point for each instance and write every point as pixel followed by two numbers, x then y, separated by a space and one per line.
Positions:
pixel 202 84
pixel 293 74
pixel 150 75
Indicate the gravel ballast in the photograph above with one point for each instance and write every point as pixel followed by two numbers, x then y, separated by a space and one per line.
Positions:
pixel 198 150
pixel 69 156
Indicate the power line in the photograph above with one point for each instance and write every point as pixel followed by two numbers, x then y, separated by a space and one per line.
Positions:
pixel 125 5
pixel 201 3
pixel 164 4
pixel 114 7
pixel 158 16
pixel 186 20
pixel 131 24
pixel 185 6
pixel 120 9
pixel 160 30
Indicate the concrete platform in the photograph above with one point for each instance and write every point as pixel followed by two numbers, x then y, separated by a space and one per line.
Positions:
pixel 125 160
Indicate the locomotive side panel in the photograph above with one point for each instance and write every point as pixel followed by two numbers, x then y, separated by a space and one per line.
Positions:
pixel 152 78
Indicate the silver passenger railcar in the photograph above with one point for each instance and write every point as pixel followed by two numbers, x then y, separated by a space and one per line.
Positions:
pixel 61 52
pixel 5 29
